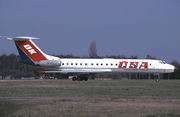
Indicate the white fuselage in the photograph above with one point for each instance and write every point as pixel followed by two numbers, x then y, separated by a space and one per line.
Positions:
pixel 32 55
pixel 116 65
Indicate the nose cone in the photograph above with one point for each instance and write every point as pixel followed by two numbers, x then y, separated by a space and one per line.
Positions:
pixel 171 68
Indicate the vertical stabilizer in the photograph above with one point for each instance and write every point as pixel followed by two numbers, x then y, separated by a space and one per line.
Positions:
pixel 28 51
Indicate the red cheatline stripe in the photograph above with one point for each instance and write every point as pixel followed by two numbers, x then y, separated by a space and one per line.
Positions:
pixel 42 71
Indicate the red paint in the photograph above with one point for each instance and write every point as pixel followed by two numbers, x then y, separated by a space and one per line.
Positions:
pixel 42 71
pixel 123 63
pixel 126 64
pixel 144 64
pixel 133 64
pixel 30 49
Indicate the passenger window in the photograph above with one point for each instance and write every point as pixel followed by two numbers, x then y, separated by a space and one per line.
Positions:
pixel 116 64
pixel 111 64
pixel 66 63
pixel 91 63
pixel 71 63
pixel 76 64
pixel 97 64
pixel 80 63
pixel 106 64
pixel 101 64
pixel 62 63
pixel 85 63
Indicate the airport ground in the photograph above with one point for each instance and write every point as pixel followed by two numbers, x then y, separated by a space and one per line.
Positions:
pixel 59 98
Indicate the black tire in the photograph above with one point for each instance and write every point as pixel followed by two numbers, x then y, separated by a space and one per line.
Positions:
pixel 157 80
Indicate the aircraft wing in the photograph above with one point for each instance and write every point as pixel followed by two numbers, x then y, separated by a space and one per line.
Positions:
pixel 79 71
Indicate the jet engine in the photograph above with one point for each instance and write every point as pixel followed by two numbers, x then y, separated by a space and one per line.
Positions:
pixel 48 63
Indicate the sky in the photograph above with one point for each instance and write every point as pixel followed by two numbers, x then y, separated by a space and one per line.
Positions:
pixel 119 27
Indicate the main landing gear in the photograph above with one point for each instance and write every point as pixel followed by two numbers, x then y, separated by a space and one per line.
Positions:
pixel 80 78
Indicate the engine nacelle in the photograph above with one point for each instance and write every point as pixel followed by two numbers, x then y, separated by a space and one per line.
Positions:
pixel 48 63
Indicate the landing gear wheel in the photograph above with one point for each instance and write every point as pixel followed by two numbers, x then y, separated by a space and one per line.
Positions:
pixel 157 80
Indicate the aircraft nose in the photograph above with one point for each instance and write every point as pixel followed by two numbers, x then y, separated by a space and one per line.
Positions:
pixel 172 67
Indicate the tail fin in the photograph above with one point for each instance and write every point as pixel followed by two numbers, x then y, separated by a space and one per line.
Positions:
pixel 28 51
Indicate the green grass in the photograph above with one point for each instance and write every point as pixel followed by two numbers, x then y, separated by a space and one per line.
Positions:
pixel 165 89
pixel 125 98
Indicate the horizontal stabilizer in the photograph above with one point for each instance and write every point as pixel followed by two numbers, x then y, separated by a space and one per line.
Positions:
pixel 19 38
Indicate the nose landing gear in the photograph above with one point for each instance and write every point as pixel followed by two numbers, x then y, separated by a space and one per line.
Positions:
pixel 157 77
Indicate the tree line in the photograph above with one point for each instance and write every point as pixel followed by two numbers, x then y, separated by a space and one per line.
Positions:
pixel 10 67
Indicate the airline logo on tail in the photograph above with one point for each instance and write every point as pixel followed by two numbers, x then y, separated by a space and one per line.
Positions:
pixel 29 48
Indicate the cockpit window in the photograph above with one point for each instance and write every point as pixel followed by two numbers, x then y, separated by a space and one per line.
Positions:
pixel 162 62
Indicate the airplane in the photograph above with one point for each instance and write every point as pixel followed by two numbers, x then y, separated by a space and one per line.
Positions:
pixel 83 68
